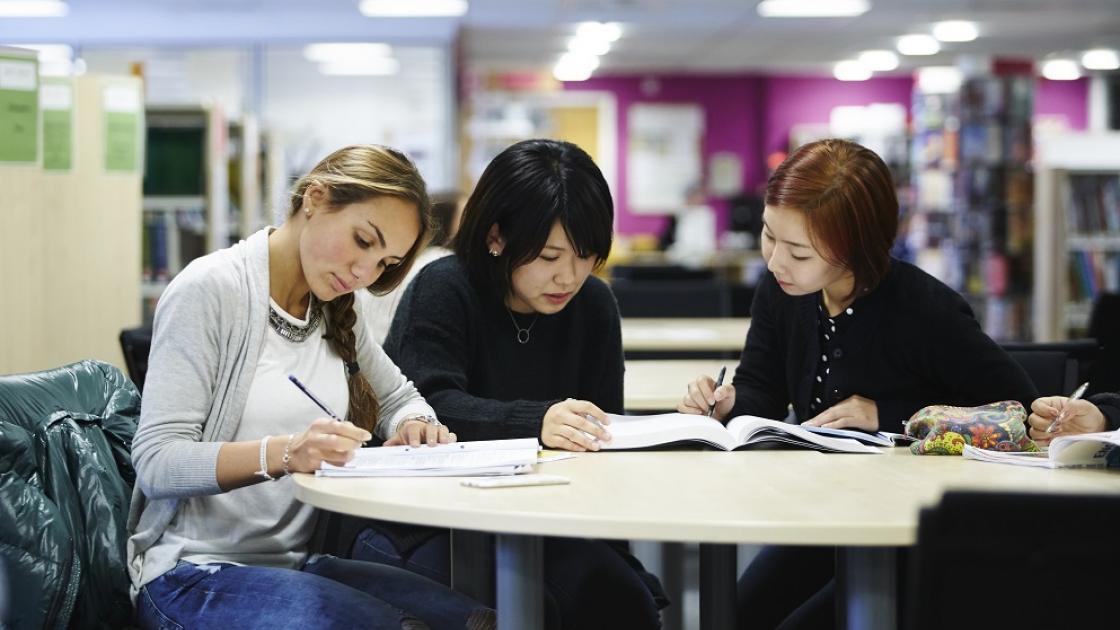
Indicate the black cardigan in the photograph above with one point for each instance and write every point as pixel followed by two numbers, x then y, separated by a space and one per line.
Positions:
pixel 912 342
pixel 459 347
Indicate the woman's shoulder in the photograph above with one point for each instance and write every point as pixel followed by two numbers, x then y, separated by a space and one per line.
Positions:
pixel 915 291
pixel 220 272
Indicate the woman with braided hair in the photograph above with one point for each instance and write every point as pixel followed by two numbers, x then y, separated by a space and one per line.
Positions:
pixel 217 535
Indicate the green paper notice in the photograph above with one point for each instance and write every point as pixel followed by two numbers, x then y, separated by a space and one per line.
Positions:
pixel 56 99
pixel 122 128
pixel 19 109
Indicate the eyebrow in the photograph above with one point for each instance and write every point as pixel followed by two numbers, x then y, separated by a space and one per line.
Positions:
pixel 794 243
pixel 558 248
pixel 380 236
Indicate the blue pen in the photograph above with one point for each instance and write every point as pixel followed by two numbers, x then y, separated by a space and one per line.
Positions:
pixel 719 381
pixel 302 388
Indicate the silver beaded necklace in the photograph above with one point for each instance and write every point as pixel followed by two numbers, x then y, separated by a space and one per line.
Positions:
pixel 522 333
pixel 296 332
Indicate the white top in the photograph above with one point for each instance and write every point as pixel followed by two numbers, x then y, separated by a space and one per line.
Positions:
pixel 262 524
pixel 760 497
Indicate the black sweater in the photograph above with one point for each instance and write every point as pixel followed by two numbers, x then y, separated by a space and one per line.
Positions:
pixel 459 347
pixel 1109 404
pixel 912 342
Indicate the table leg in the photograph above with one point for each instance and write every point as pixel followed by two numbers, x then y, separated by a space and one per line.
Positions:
pixel 717 586
pixel 520 579
pixel 867 587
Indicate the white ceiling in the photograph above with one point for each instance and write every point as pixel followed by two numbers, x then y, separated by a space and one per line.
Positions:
pixel 658 35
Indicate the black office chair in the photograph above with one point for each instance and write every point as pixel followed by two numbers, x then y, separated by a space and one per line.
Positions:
pixel 136 343
pixel 1015 560
pixel 1056 368
pixel 1104 326
pixel 672 298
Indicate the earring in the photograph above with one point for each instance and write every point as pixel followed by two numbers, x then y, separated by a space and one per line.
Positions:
pixel 307 211
pixel 495 253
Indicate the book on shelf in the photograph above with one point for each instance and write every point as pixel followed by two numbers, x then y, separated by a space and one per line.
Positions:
pixel 743 432
pixel 1087 450
pixel 458 459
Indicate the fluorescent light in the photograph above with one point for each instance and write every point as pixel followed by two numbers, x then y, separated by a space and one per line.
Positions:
pixel 575 67
pixel 813 8
pixel 33 8
pixel 584 46
pixel 939 79
pixel 1100 59
pixel 413 8
pixel 333 52
pixel 955 31
pixel 1061 70
pixel 851 70
pixel 375 67
pixel 599 31
pixel 879 60
pixel 918 45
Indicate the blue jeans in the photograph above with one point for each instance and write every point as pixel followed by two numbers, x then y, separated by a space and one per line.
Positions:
pixel 588 583
pixel 327 592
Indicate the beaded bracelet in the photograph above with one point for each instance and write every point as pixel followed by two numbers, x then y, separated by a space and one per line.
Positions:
pixel 263 472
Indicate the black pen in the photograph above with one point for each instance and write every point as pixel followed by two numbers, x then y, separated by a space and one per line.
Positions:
pixel 302 388
pixel 719 381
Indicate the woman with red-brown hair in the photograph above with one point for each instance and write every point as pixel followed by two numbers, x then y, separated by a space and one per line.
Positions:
pixel 849 338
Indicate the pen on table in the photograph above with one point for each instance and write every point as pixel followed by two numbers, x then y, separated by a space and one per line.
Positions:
pixel 314 399
pixel 1076 395
pixel 719 381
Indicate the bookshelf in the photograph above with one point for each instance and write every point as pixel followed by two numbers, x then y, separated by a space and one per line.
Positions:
pixel 1077 230
pixel 202 190
pixel 972 223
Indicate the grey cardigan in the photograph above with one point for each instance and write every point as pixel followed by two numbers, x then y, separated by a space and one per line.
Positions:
pixel 209 330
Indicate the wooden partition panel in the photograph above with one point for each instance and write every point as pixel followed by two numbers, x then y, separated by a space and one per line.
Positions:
pixel 70 247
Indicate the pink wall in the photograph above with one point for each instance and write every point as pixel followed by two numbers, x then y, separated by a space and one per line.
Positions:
pixel 751 116
pixel 1064 98
pixel 792 100
pixel 731 123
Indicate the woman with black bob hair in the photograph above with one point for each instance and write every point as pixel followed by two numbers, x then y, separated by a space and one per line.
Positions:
pixel 513 337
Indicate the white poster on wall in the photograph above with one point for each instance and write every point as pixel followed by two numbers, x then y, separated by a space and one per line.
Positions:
pixel 663 156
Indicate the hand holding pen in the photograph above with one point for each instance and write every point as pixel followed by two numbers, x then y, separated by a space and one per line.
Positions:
pixel 710 397
pixel 719 381
pixel 1075 396
pixel 1065 416
pixel 331 440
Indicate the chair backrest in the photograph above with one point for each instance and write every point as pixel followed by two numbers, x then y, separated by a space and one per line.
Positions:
pixel 1014 560
pixel 136 343
pixel 1055 368
pixel 672 298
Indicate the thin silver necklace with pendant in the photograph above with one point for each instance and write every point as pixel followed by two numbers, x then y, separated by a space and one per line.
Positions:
pixel 522 333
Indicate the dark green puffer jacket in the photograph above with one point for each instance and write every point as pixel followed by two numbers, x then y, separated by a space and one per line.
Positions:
pixel 65 481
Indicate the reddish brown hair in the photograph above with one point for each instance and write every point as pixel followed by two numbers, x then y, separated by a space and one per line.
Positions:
pixel 847 196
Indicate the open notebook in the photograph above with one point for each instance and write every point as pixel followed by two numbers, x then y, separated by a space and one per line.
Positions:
pixel 1087 450
pixel 487 457
pixel 631 432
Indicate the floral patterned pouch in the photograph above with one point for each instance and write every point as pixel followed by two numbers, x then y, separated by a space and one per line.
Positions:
pixel 944 430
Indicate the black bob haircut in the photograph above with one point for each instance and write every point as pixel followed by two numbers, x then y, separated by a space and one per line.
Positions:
pixel 525 190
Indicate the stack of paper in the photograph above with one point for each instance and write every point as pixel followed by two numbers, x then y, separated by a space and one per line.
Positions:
pixel 489 457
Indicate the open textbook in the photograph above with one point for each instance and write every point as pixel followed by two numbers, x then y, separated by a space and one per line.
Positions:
pixel 628 432
pixel 459 459
pixel 1087 450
